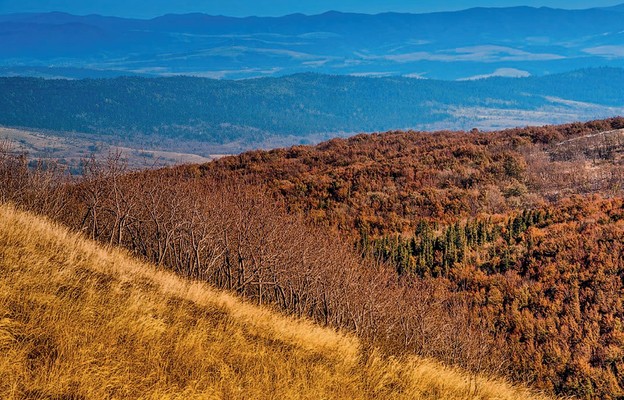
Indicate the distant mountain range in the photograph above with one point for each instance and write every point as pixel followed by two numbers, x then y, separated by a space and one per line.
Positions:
pixel 474 43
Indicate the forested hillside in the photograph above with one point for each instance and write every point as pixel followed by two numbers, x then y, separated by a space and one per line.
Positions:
pixel 389 182
pixel 525 222
pixel 498 252
pixel 299 106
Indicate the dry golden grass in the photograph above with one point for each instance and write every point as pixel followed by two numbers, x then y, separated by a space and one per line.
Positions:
pixel 81 321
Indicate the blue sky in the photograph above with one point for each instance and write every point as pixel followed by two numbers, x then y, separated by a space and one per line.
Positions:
pixel 147 8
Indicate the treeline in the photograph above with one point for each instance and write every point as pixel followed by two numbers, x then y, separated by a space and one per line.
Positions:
pixel 220 111
pixel 433 249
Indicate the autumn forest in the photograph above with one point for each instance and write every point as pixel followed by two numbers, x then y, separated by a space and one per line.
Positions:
pixel 499 252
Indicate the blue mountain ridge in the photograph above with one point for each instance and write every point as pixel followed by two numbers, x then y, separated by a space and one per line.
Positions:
pixel 478 42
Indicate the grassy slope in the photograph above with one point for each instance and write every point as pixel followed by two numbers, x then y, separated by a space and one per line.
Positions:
pixel 80 321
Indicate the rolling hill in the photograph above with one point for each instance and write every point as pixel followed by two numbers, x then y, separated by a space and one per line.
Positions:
pixel 206 116
pixel 82 321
